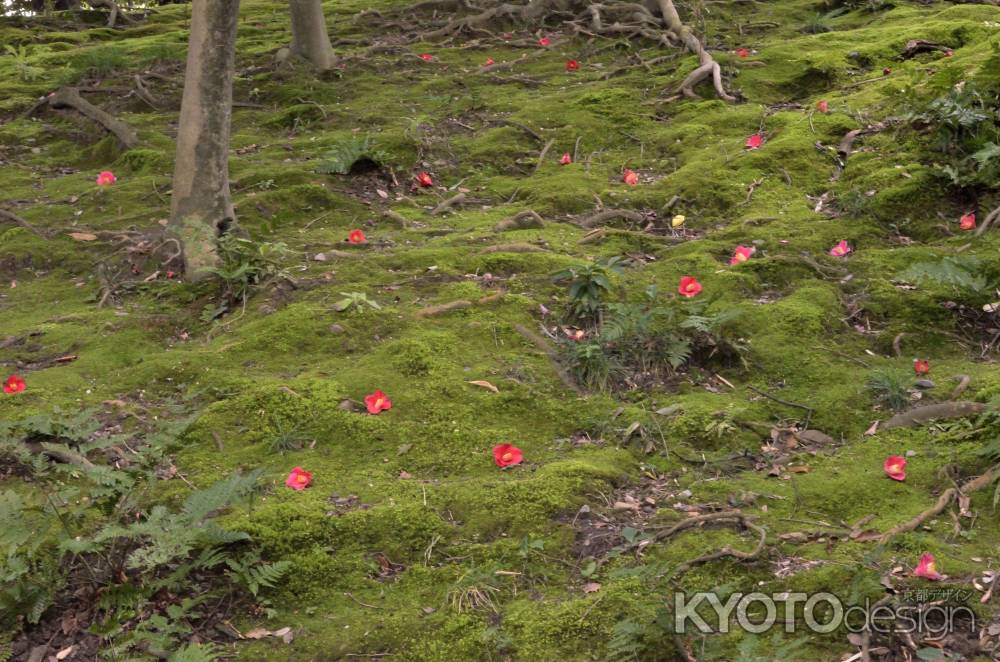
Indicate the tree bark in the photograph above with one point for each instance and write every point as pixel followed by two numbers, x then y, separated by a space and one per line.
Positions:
pixel 201 208
pixel 310 40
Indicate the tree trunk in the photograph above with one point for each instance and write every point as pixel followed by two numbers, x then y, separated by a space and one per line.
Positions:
pixel 201 209
pixel 309 38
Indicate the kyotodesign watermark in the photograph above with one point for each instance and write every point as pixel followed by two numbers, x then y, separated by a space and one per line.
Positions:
pixel 932 613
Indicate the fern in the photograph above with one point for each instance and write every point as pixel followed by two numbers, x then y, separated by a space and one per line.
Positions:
pixel 195 653
pixel 201 504
pixel 344 155
pixel 955 271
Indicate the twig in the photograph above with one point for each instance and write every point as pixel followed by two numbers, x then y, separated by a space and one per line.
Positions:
pixel 541 156
pixel 767 395
pixel 17 220
pixel 363 604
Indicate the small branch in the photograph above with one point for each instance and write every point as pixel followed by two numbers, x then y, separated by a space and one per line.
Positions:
pixel 541 156
pixel 606 215
pixel 17 220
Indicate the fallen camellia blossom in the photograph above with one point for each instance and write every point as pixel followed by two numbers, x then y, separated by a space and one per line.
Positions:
pixel 426 57
pixel 677 221
pixel 689 286
pixel 754 141
pixel 377 402
pixel 566 159
pixel 299 479
pixel 926 568
pixel 968 221
pixel 823 106
pixel 630 177
pixel 489 62
pixel 13 384
pixel 921 366
pixel 506 455
pixel 743 52
pixel 572 65
pixel 106 178
pixel 742 254
pixel 544 41
pixel 841 249
pixel 424 179
pixel 357 237
pixel 895 467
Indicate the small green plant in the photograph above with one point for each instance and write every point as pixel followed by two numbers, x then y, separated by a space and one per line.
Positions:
pixel 286 437
pixel 354 153
pixel 246 265
pixel 355 301
pixel 474 591
pixel 25 70
pixel 890 389
pixel 589 286
pixel 590 365
pixel 960 272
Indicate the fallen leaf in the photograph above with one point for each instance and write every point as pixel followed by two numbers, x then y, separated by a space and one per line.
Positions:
pixel 591 587
pixel 64 653
pixel 405 475
pixel 285 634
pixel 872 429
pixel 800 469
pixel 257 633
pixel 83 236
pixel 484 384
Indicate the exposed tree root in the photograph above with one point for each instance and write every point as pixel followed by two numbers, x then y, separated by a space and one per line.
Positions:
pixel 707 67
pixel 963 383
pixel 990 219
pixel 731 517
pixel 916 46
pixel 601 234
pixel 602 217
pixel 512 248
pixel 114 11
pixel 446 205
pixel 935 411
pixel 17 220
pixel 441 309
pixel 520 221
pixel 69 97
pixel 541 344
pixel 942 502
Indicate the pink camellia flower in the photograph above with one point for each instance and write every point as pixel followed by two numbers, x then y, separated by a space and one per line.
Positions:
pixel 106 178
pixel 424 179
pixel 823 106
pixel 742 254
pixel 377 402
pixel 754 141
pixel 426 57
pixel 357 237
pixel 968 221
pixel 489 62
pixel 13 384
pixel 689 287
pixel 742 52
pixel 895 467
pixel 921 366
pixel 926 568
pixel 949 53
pixel 572 65
pixel 506 455
pixel 544 41
pixel 566 159
pixel 299 479
pixel 630 177
pixel 841 249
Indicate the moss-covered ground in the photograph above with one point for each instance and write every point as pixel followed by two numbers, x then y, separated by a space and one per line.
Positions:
pixel 428 495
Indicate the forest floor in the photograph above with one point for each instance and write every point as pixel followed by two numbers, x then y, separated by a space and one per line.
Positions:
pixel 411 543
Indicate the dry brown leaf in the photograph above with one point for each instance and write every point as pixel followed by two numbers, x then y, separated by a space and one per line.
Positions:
pixel 800 469
pixel 258 633
pixel 872 429
pixel 64 653
pixel 83 236
pixel 484 384
pixel 591 587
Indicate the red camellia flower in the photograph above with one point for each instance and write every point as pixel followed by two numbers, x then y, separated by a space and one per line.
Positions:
pixel 572 65
pixel 426 57
pixel 506 455
pixel 424 179
pixel 106 178
pixel 489 61
pixel 357 237
pixel 742 254
pixel 689 287
pixel 823 106
pixel 544 41
pixel 754 141
pixel 566 159
pixel 926 568
pixel 377 402
pixel 887 71
pixel 630 177
pixel 299 479
pixel 13 384
pixel 743 52
pixel 895 467
pixel 921 366
pixel 841 249
pixel 968 221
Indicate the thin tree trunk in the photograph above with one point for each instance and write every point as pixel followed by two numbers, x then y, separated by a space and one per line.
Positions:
pixel 201 209
pixel 309 37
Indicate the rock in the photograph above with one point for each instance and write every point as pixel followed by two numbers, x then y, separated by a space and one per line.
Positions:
pixel 924 384
pixel 336 329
